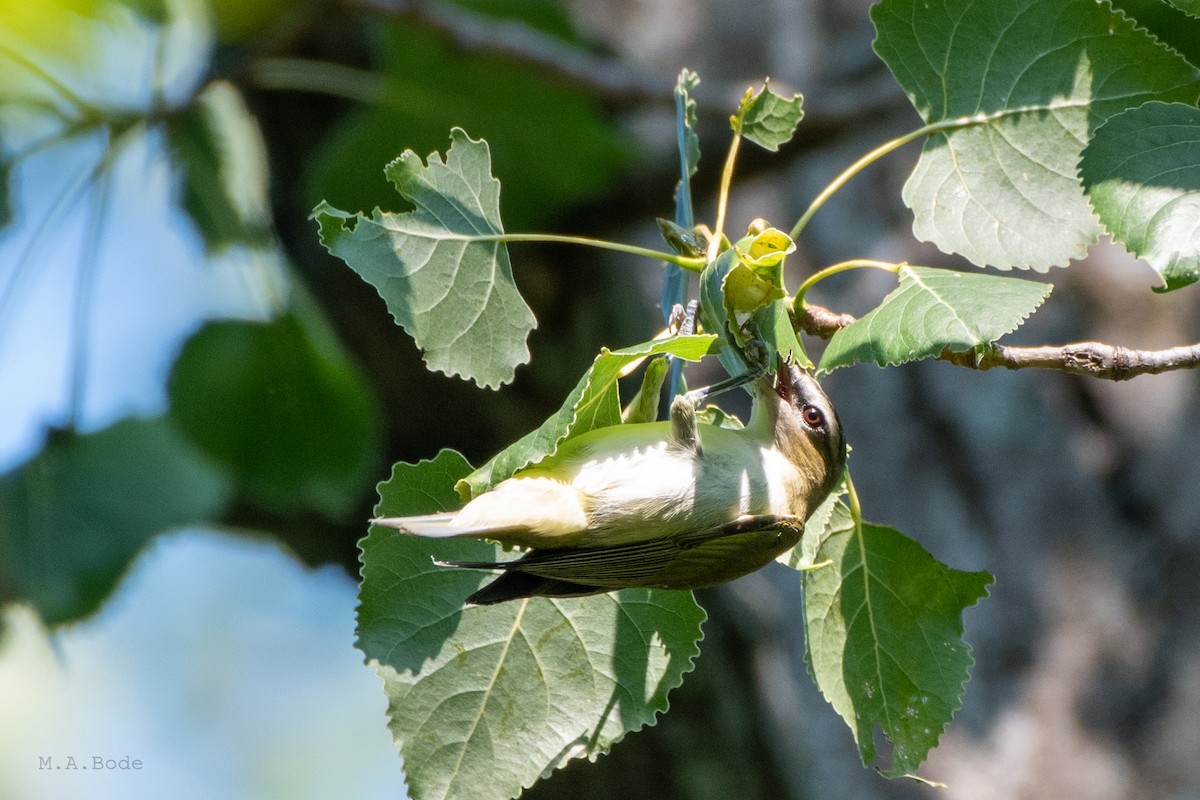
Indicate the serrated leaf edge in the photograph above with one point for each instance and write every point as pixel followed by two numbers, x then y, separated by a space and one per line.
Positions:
pixel 899 362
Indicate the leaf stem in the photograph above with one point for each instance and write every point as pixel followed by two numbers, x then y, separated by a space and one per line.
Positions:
pixel 38 236
pixel 158 95
pixel 723 194
pixel 89 262
pixel 881 151
pixel 854 263
pixel 692 263
pixel 308 75
pixel 855 505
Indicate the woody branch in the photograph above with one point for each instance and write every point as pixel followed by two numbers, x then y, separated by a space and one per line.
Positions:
pixel 1093 359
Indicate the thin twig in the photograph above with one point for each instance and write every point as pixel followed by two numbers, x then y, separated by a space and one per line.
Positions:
pixel 1092 359
pixel 608 78
pixel 482 34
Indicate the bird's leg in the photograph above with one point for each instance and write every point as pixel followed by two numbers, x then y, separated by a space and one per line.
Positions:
pixel 683 320
pixel 685 434
pixel 755 353
pixel 684 430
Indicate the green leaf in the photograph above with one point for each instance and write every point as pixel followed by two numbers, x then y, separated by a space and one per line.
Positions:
pixel 1170 25
pixel 444 276
pixel 884 630
pixel 1142 174
pixel 682 240
pixel 757 279
pixel 484 700
pixel 1038 78
pixel 643 407
pixel 689 141
pixel 713 313
pixel 282 408
pixel 934 309
pixel 217 146
pixel 73 518
pixel 681 234
pixel 1191 7
pixel 817 528
pixel 774 322
pixel 719 315
pixel 768 119
pixel 593 403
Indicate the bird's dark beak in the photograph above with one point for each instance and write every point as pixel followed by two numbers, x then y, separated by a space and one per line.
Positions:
pixel 784 385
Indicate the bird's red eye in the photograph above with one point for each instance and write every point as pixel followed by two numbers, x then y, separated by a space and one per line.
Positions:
pixel 812 416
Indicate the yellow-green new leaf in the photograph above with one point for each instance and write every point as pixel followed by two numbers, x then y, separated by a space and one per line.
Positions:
pixel 768 119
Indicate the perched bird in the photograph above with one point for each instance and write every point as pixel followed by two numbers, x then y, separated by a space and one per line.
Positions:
pixel 670 505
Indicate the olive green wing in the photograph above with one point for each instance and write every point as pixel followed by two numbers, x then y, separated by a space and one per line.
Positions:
pixel 688 561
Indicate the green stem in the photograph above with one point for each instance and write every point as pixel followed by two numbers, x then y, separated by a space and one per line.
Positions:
pixel 89 261
pixel 158 99
pixel 723 195
pixel 881 151
pixel 692 263
pixel 307 75
pixel 854 263
pixel 855 505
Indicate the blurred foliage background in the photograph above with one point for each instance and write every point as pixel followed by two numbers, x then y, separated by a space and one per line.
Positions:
pixel 176 350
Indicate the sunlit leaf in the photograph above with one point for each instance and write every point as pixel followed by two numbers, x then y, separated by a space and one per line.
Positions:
pixel 1040 77
pixel 484 700
pixel 931 310
pixel 884 630
pixel 444 277
pixel 768 119
pixel 643 407
pixel 757 279
pixel 1142 175
pixel 817 528
pixel 593 403
pixel 58 29
pixel 772 320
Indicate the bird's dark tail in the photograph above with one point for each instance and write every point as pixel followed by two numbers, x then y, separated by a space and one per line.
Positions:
pixel 515 585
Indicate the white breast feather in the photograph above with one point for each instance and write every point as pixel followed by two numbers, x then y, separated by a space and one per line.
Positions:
pixel 639 491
